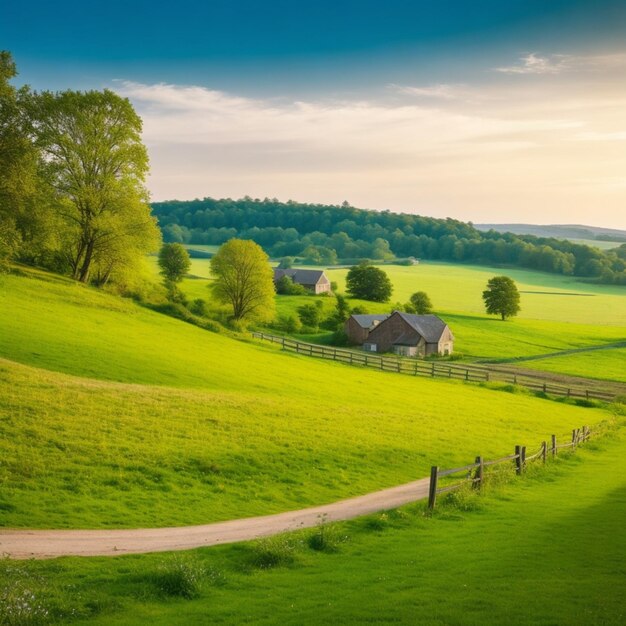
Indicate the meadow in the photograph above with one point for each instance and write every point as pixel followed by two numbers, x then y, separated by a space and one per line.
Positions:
pixel 545 549
pixel 558 313
pixel 187 426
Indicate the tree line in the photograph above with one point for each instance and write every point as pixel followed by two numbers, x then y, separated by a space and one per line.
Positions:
pixel 327 234
pixel 72 172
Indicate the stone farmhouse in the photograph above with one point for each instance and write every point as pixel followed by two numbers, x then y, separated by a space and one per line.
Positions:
pixel 313 280
pixel 404 334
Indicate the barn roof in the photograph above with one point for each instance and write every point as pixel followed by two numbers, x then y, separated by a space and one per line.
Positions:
pixel 302 277
pixel 430 327
pixel 366 321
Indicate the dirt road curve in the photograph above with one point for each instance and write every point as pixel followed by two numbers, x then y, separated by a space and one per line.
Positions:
pixel 46 544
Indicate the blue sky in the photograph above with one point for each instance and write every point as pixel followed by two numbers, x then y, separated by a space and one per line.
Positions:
pixel 488 110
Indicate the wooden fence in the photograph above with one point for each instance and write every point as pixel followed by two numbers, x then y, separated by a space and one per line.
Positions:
pixel 433 369
pixel 475 473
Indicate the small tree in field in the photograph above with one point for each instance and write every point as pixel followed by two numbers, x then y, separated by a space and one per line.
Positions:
pixel 174 262
pixel 244 280
pixel 421 303
pixel 368 283
pixel 501 297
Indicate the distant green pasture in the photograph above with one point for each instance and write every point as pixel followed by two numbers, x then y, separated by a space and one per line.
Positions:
pixel 603 364
pixel 458 289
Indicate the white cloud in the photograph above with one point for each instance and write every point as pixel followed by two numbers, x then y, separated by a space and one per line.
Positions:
pixel 195 115
pixel 441 91
pixel 513 150
pixel 558 63
pixel 534 64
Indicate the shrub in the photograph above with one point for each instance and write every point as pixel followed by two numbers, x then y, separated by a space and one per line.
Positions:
pixel 276 551
pixel 325 537
pixel 199 307
pixel 177 576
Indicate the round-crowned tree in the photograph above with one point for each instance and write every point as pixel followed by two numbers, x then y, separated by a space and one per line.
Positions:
pixel 369 283
pixel 174 262
pixel 501 297
pixel 421 303
pixel 244 279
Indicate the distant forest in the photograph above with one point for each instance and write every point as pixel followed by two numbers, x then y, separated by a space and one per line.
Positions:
pixel 330 234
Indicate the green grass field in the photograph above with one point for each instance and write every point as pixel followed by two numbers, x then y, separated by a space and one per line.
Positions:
pixel 551 320
pixel 606 364
pixel 545 549
pixel 204 427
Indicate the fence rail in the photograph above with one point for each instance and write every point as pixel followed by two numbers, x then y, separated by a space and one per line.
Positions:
pixel 416 367
pixel 475 472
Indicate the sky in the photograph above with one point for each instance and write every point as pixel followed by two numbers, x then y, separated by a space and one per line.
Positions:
pixel 484 110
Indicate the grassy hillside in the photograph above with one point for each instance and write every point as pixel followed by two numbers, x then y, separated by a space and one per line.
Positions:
pixel 213 428
pixel 547 549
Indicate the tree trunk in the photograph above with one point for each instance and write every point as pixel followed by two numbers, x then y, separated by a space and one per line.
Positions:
pixel 84 270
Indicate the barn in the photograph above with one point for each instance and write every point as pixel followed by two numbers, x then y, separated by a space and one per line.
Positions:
pixel 404 334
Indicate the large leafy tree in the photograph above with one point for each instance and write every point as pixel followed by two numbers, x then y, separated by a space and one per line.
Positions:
pixel 369 283
pixel 23 210
pixel 502 297
pixel 95 165
pixel 244 280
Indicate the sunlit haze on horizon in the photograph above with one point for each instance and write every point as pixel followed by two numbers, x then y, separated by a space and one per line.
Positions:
pixel 477 111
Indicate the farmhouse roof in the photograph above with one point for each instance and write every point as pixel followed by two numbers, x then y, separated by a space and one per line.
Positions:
pixel 430 327
pixel 366 321
pixel 303 277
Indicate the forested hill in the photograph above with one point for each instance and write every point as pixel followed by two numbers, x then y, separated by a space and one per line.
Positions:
pixel 327 234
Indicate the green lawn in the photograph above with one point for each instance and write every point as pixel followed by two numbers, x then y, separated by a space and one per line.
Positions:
pixel 546 549
pixel 206 427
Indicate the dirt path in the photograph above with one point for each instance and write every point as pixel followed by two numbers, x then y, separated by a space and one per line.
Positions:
pixel 46 544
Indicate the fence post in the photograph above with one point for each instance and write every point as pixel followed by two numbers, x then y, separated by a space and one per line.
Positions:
pixel 553 446
pixel 415 367
pixel 518 460
pixel 432 490
pixel 523 458
pixel 515 379
pixel 283 343
pixel 544 450
pixel 480 470
pixel 574 439
pixel 544 387
pixel 466 375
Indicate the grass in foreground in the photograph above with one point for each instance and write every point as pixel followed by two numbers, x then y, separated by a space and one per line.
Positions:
pixel 83 453
pixel 545 549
